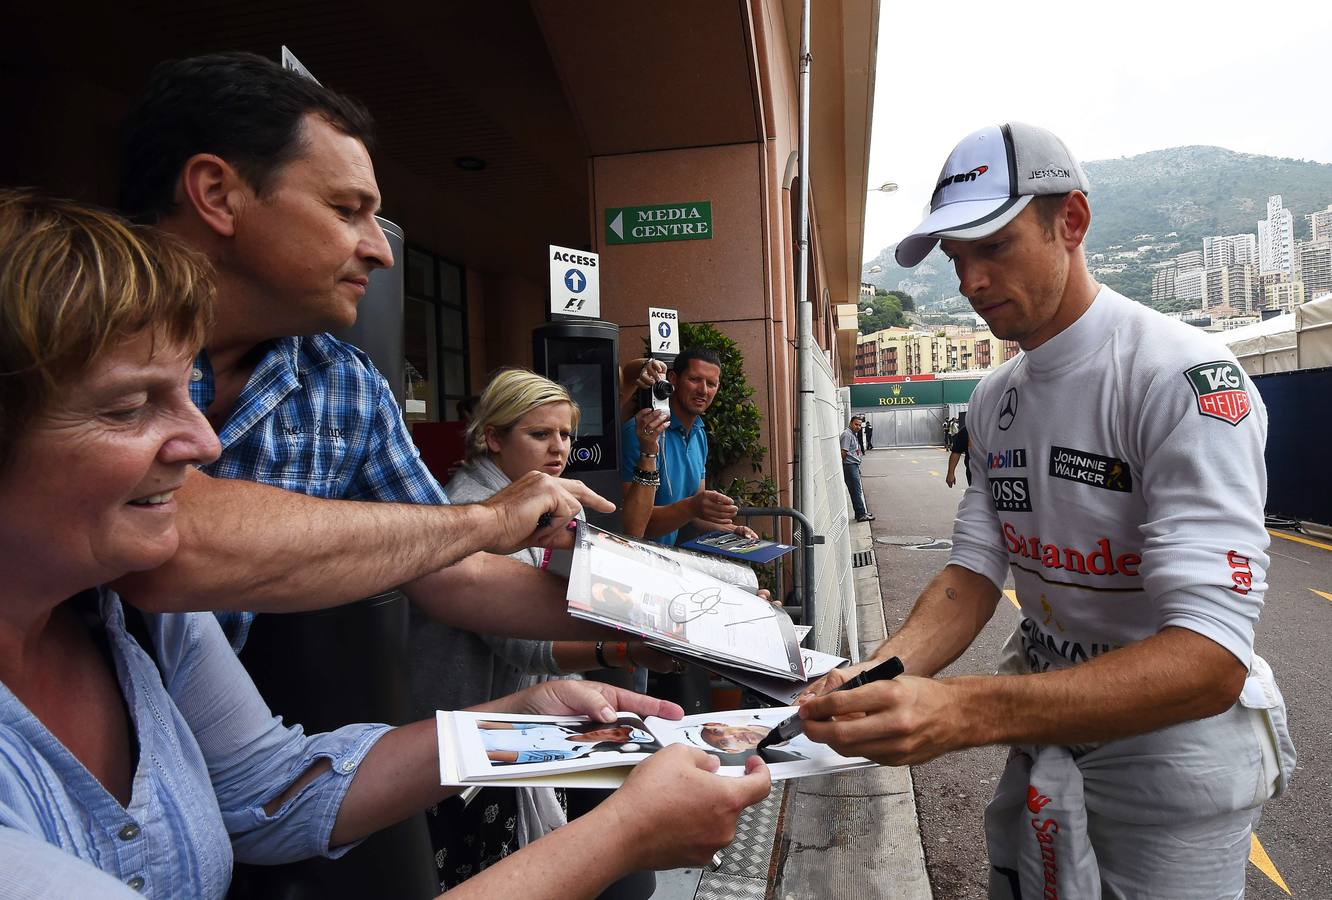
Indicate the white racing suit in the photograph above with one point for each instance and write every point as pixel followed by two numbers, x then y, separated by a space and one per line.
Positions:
pixel 1119 475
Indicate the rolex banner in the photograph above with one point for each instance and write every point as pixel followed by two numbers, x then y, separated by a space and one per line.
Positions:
pixel 897 394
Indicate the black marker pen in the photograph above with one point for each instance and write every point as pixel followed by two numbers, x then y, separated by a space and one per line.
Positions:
pixel 789 728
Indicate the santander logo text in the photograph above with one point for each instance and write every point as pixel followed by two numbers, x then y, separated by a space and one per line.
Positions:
pixel 1099 560
pixel 1045 831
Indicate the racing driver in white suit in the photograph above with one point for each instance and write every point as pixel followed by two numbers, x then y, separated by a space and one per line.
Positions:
pixel 1120 479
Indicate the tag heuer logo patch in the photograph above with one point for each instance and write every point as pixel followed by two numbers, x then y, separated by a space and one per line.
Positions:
pixel 1220 389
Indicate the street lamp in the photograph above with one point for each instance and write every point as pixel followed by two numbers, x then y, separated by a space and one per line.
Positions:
pixel 875 270
pixel 887 188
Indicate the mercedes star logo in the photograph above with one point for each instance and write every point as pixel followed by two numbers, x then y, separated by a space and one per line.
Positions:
pixel 1008 412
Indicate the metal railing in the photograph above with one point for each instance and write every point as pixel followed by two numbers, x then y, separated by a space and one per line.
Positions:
pixel 805 538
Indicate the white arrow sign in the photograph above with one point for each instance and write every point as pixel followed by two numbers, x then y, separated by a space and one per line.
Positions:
pixel 617 225
pixel 664 331
pixel 575 284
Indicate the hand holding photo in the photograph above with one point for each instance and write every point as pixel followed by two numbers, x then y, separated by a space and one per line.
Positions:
pixel 508 749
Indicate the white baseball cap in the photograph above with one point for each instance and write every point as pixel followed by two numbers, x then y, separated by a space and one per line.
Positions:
pixel 989 178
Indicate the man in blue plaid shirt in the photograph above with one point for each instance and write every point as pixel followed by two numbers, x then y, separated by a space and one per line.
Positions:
pixel 268 174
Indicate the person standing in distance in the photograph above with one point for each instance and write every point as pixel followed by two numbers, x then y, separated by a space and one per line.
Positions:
pixel 852 453
pixel 959 448
pixel 1145 732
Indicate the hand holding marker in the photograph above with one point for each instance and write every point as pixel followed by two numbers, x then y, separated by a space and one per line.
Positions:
pixel 789 728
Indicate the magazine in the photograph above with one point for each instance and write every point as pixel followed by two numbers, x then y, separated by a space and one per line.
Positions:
pixel 816 664
pixel 665 597
pixel 737 546
pixel 478 748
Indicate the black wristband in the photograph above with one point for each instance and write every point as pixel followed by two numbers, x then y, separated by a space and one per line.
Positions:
pixel 601 655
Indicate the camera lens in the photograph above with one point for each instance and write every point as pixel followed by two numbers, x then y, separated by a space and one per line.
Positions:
pixel 662 390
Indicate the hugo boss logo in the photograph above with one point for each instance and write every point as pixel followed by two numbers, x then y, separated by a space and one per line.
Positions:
pixel 1010 494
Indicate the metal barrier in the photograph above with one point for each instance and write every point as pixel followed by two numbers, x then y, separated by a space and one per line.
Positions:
pixel 806 539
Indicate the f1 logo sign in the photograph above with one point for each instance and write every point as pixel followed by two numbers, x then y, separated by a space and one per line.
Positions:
pixel 575 303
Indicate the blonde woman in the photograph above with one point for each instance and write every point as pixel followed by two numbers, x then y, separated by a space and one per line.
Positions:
pixel 522 422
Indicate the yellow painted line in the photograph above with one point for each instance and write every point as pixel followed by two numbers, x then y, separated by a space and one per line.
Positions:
pixel 933 474
pixel 1300 540
pixel 916 462
pixel 1012 598
pixel 1258 856
pixel 1324 594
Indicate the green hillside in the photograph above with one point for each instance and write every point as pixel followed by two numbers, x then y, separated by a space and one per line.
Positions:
pixel 1191 191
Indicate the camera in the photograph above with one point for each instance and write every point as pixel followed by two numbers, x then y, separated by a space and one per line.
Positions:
pixel 656 397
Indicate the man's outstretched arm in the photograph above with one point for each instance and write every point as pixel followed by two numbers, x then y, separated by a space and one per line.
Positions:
pixel 498 595
pixel 246 546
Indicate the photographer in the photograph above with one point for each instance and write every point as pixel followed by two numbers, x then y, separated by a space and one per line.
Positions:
pixel 664 458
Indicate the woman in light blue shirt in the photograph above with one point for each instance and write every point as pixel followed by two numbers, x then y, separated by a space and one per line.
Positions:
pixel 135 752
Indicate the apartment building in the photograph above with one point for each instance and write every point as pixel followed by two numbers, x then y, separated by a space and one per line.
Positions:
pixel 1191 283
pixel 1231 290
pixel 1284 294
pixel 1276 238
pixel 1313 261
pixel 1320 224
pixel 899 351
pixel 1230 250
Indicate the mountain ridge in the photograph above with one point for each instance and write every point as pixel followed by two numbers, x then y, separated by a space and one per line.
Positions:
pixel 1194 191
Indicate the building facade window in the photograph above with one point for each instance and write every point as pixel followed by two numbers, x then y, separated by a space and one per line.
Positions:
pixel 434 338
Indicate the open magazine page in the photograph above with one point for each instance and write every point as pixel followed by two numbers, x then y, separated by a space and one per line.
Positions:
pixel 490 746
pixel 817 664
pixel 731 736
pixel 639 589
pixel 710 565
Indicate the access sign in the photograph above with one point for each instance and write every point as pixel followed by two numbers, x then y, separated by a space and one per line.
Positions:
pixel 575 285
pixel 664 331
pixel 665 222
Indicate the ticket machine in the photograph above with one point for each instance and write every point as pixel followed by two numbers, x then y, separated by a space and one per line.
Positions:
pixel 583 355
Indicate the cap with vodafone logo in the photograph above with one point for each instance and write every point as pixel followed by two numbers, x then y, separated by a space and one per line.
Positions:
pixel 988 179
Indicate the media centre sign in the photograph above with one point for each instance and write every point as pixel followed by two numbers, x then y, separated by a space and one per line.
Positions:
pixel 663 222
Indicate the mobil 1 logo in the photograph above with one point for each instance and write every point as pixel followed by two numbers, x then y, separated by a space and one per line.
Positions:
pixel 1010 494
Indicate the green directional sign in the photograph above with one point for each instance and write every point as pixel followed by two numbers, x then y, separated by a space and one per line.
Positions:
pixel 664 222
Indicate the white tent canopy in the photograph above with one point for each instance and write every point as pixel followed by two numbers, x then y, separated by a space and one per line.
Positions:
pixel 1284 343
pixel 1313 326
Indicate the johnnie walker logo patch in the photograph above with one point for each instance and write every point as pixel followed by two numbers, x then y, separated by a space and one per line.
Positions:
pixel 1220 389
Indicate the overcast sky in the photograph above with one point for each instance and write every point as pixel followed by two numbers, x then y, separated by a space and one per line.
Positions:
pixel 1112 79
